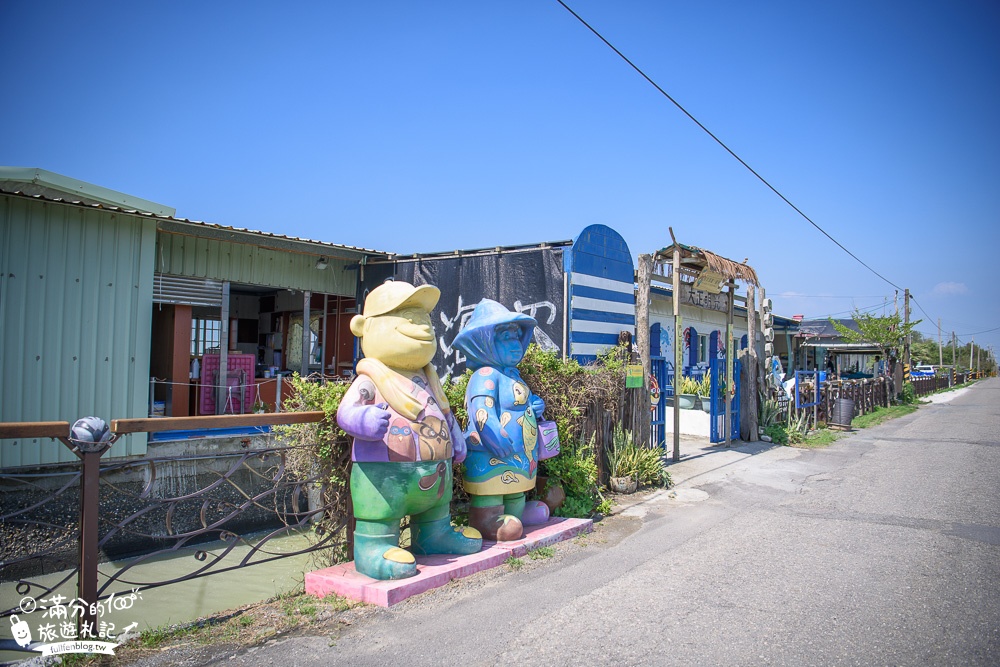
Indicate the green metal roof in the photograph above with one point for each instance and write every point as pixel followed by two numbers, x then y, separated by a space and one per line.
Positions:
pixel 34 181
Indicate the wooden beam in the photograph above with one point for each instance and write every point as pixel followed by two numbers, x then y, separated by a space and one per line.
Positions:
pixel 642 340
pixel 157 424
pixel 34 430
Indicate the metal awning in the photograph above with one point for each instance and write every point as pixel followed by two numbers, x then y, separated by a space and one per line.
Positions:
pixel 854 348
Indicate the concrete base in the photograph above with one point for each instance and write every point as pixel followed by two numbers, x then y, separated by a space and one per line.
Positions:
pixel 436 571
pixel 693 422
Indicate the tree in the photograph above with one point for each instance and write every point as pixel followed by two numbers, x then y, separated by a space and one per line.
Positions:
pixel 887 332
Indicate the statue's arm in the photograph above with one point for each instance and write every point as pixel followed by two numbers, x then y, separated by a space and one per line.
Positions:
pixel 359 416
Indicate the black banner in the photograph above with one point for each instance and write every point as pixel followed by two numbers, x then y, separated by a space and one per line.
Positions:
pixel 529 281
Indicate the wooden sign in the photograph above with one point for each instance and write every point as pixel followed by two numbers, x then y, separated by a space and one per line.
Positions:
pixel 699 299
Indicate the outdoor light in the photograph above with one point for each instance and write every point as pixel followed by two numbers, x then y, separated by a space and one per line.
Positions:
pixel 322 263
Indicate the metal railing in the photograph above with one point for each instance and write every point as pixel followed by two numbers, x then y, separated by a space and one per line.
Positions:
pixel 245 490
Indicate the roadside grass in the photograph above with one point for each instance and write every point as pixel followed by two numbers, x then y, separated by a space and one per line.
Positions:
pixel 247 626
pixel 542 553
pixel 824 436
pixel 880 415
pixel 514 563
pixel 956 387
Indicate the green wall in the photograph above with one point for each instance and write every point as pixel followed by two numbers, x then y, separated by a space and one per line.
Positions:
pixel 76 287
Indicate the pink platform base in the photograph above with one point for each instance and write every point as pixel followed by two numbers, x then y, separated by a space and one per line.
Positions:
pixel 435 571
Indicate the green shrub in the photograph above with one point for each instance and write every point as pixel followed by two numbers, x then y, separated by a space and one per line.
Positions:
pixel 777 433
pixel 322 450
pixel 909 394
pixel 770 411
pixel 689 385
pixel 575 469
pixel 627 459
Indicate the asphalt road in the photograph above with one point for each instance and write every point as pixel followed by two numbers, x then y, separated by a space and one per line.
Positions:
pixel 883 549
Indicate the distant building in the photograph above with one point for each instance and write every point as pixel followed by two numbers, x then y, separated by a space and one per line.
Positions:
pixel 821 347
pixel 101 291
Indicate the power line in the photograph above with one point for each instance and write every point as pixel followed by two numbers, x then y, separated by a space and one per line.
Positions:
pixel 976 333
pixel 721 143
pixel 914 300
pixel 830 296
pixel 867 309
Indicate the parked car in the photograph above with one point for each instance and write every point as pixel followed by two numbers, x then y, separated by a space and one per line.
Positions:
pixel 922 371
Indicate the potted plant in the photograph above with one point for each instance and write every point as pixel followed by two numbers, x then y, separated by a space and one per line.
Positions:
pixel 622 462
pixel 689 393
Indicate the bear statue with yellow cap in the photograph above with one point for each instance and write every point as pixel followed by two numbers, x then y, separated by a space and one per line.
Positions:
pixel 405 436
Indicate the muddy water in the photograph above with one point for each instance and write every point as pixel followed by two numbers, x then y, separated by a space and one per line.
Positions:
pixel 180 602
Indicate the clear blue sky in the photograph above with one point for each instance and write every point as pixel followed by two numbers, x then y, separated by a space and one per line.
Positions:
pixel 438 125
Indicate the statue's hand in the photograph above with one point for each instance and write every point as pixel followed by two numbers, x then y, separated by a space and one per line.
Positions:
pixel 500 449
pixel 458 445
pixel 537 406
pixel 368 422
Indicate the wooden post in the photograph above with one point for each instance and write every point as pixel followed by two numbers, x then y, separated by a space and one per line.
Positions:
pixel 642 340
pixel 306 335
pixel 728 423
pixel 678 346
pixel 748 410
pixel 222 386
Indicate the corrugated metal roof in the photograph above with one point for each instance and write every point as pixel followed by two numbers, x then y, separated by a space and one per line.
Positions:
pixel 331 248
pixel 496 250
pixel 35 181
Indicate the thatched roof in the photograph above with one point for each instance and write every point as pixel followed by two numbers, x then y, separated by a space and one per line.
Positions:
pixel 694 260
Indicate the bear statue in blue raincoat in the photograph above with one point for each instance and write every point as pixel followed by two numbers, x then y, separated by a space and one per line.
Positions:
pixel 503 436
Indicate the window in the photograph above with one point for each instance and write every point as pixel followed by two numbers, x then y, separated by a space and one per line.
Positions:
pixel 702 348
pixel 295 340
pixel 205 336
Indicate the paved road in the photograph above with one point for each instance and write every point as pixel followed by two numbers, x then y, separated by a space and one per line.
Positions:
pixel 883 549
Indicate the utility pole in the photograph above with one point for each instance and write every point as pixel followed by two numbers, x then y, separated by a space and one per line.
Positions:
pixel 954 363
pixel 940 348
pixel 971 344
pixel 906 342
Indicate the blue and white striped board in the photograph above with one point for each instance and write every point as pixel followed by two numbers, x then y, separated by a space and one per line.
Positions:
pixel 601 291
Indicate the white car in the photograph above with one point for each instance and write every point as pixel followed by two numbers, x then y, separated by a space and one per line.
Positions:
pixel 922 371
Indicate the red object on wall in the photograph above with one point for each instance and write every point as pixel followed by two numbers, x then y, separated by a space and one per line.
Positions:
pixel 241 391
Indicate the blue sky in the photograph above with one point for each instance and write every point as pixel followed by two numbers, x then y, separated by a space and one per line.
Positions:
pixel 438 125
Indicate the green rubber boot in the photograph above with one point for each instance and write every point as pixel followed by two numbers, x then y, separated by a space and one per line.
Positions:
pixel 377 553
pixel 438 536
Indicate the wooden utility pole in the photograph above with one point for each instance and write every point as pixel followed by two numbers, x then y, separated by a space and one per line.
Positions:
pixel 906 321
pixel 678 337
pixel 940 348
pixel 642 340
